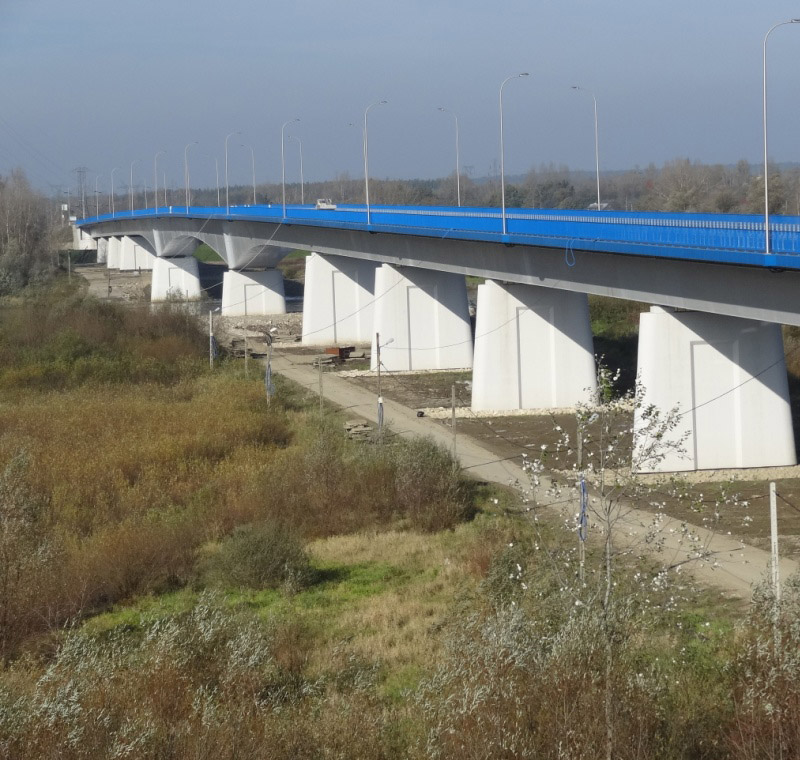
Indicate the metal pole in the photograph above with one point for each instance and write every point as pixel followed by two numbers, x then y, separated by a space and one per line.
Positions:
pixel 227 187
pixel 115 169
pixel 366 155
pixel 216 167
pixel 186 171
pixel 135 161
pixel 380 397
pixel 211 339
pixel 773 526
pixel 458 160
pixel 155 179
pixel 766 156
pixel 96 196
pixel 283 161
pixel 319 365
pixel 503 150
pixel 453 416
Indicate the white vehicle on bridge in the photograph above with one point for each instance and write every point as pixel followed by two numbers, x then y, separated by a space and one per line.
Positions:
pixel 325 203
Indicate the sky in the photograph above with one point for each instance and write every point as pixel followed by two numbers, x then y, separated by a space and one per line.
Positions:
pixel 102 83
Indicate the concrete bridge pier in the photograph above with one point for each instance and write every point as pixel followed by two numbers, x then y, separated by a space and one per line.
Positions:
pixel 134 257
pixel 82 240
pixel 253 293
pixel 422 316
pixel 175 279
pixel 102 250
pixel 728 377
pixel 113 251
pixel 338 300
pixel 533 348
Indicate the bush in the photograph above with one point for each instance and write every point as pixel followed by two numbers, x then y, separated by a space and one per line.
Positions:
pixel 260 555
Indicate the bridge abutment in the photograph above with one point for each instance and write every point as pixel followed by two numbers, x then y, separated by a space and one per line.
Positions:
pixel 253 293
pixel 533 348
pixel 728 378
pixel 422 316
pixel 176 278
pixel 338 300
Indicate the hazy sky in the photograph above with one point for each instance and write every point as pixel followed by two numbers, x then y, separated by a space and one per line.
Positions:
pixel 99 83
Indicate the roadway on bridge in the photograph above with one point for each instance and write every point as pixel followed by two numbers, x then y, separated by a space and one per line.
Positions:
pixel 733 567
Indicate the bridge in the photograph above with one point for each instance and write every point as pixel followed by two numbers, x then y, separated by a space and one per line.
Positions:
pixel 710 344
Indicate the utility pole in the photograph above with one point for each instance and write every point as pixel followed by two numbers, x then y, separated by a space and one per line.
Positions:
pixel 453 416
pixel 81 172
pixel 380 397
pixel 319 367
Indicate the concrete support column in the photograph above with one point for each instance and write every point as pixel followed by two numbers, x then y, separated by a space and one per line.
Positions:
pixel 82 241
pixel 533 348
pixel 338 300
pixel 423 319
pixel 176 278
pixel 102 250
pixel 134 257
pixel 728 378
pixel 113 252
pixel 253 293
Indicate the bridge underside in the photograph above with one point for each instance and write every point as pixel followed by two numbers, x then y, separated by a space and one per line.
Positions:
pixel 732 290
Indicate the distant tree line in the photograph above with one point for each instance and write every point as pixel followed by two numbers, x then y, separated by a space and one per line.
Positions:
pixel 678 185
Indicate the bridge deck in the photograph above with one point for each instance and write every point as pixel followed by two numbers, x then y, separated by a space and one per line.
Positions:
pixel 723 238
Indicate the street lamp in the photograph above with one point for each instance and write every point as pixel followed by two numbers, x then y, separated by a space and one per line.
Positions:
pixel 155 179
pixel 502 148
pixel 596 143
pixel 96 196
pixel 135 161
pixel 216 168
pixel 766 158
pixel 253 163
pixel 115 169
pixel 283 162
pixel 458 175
pixel 186 170
pixel 366 153
pixel 227 186
pixel 302 188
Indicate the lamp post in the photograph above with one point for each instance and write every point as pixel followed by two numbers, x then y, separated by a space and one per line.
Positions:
pixel 253 164
pixel 155 179
pixel 502 148
pixel 766 157
pixel 283 161
pixel 96 196
pixel 115 169
pixel 596 142
pixel 458 174
pixel 227 186
pixel 302 183
pixel 216 168
pixel 186 170
pixel 366 153
pixel 135 161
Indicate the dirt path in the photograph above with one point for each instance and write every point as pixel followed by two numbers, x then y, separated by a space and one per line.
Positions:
pixel 734 567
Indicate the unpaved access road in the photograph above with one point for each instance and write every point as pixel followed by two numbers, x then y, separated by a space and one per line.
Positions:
pixel 733 567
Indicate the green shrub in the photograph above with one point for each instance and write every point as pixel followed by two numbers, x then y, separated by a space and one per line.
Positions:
pixel 260 555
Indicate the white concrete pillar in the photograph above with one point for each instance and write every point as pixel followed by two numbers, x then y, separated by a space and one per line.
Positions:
pixel 253 293
pixel 113 253
pixel 423 319
pixel 102 250
pixel 176 278
pixel 533 348
pixel 727 377
pixel 338 300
